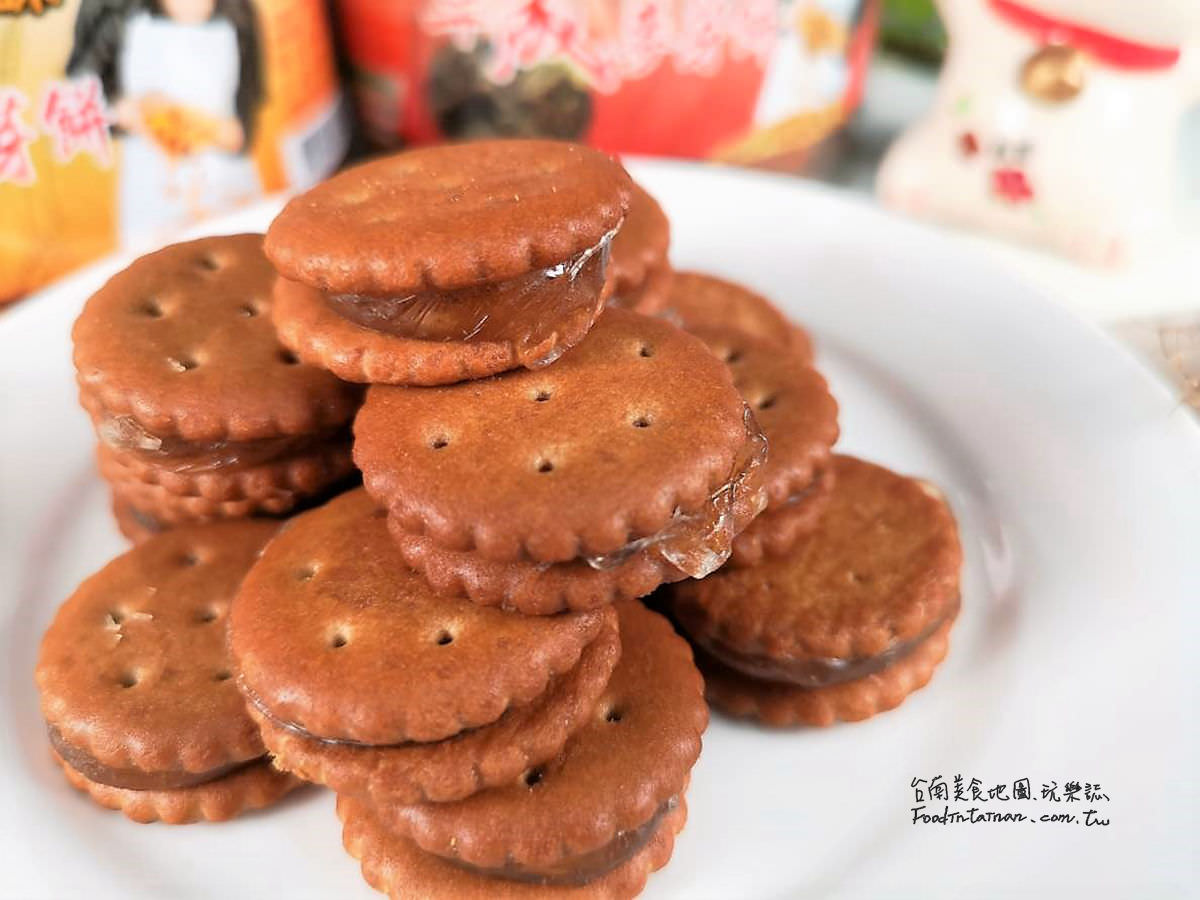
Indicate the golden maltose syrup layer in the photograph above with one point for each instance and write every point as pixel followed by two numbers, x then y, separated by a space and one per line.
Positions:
pixel 525 311
pixel 125 434
pixel 700 542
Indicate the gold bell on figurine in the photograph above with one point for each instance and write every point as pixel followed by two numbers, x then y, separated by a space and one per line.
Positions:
pixel 1055 73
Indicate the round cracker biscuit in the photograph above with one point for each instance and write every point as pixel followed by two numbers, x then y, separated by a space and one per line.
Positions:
pixel 706 301
pixel 776 532
pixel 651 297
pixel 332 633
pixel 628 764
pixel 533 589
pixel 880 569
pixel 784 705
pixel 791 403
pixel 639 251
pixel 134 671
pixel 182 342
pixel 449 216
pixel 635 425
pixel 444 771
pixel 170 509
pixel 397 868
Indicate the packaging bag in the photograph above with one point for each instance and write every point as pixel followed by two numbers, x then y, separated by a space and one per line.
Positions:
pixel 739 80
pixel 122 121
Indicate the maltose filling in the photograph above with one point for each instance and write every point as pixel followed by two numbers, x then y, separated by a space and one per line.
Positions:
pixel 136 779
pixel 699 543
pixel 297 729
pixel 126 434
pixel 579 870
pixel 816 671
pixel 525 311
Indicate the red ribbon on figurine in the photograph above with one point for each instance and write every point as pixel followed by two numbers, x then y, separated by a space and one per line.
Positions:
pixel 1107 48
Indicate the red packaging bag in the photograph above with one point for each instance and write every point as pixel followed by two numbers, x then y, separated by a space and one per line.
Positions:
pixel 745 81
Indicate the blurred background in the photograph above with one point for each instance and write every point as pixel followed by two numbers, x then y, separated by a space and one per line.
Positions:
pixel 1061 136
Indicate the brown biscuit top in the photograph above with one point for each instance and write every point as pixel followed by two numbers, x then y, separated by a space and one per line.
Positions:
pixel 642 242
pixel 705 301
pixel 134 669
pixel 449 216
pixel 791 402
pixel 881 567
pixel 578 458
pixel 632 757
pixel 333 633
pixel 182 341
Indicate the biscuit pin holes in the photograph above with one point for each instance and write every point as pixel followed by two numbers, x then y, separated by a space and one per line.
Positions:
pixel 134 681
pixel 616 789
pixel 798 415
pixel 449 263
pixel 194 418
pixel 402 696
pixel 645 477
pixel 556 425
pixel 699 302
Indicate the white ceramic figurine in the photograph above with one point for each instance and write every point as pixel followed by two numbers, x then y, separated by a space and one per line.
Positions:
pixel 1056 122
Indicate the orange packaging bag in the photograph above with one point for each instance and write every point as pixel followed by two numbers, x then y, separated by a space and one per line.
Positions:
pixel 745 81
pixel 122 121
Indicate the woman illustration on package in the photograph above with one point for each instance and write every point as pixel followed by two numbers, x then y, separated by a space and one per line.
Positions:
pixel 182 82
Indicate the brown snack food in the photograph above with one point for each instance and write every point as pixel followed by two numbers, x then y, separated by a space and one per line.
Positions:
pixel 335 637
pixel 790 401
pixel 180 345
pixel 397 868
pixel 136 686
pixel 443 771
pixel 706 301
pixel 784 705
pixel 251 787
pixel 651 298
pixel 540 589
pixel 630 434
pixel 641 273
pixel 450 216
pixel 318 334
pixel 533 589
pixel 696 541
pixel 881 567
pixel 859 603
pixel 170 510
pixel 298 475
pixel 776 531
pixel 449 263
pixel 592 808
pixel 200 412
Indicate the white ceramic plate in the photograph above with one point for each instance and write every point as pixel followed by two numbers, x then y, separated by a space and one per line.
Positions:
pixel 1076 480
